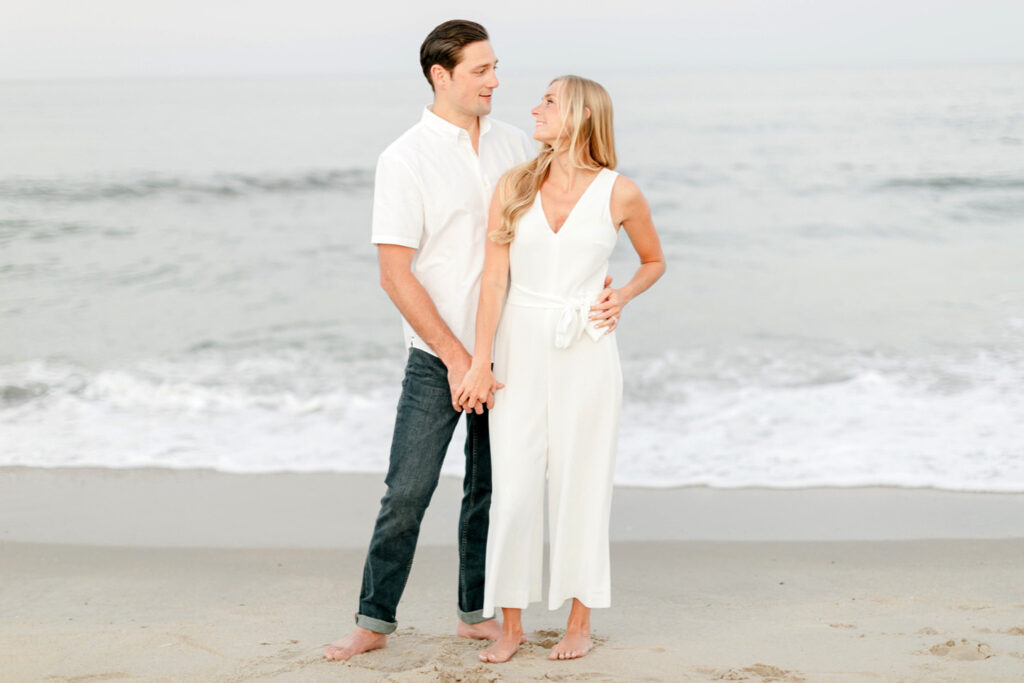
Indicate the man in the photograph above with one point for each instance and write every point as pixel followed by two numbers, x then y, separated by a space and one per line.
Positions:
pixel 431 197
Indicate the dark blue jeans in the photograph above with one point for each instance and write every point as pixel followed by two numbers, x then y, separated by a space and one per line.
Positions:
pixel 423 429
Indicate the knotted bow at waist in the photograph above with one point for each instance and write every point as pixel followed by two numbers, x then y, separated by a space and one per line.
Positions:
pixel 575 317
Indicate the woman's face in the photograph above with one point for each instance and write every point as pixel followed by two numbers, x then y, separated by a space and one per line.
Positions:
pixel 549 115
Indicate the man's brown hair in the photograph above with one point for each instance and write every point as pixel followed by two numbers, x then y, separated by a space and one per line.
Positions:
pixel 444 44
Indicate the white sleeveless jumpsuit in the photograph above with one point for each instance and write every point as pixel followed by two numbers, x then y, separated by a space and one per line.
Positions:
pixel 558 414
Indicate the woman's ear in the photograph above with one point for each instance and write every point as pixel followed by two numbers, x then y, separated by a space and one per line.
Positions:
pixel 586 112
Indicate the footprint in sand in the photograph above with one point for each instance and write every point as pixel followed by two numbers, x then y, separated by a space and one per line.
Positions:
pixel 447 664
pixel 759 671
pixel 927 631
pixel 964 650
pixel 549 637
pixel 546 637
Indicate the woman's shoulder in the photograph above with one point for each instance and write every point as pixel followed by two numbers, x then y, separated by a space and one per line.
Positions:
pixel 627 201
pixel 625 191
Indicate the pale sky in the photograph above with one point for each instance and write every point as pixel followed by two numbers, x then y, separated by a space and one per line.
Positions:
pixel 112 38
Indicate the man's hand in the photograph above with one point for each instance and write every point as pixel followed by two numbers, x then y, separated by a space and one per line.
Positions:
pixel 608 306
pixel 477 389
pixel 457 368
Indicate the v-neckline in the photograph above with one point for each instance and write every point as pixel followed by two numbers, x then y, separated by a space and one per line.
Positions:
pixel 547 223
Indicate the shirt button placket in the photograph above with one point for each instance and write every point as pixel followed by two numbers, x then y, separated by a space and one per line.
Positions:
pixel 476 165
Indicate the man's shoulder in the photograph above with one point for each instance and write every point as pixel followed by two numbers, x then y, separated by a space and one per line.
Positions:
pixel 514 140
pixel 407 145
pixel 507 130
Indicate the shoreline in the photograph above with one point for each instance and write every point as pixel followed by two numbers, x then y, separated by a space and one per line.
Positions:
pixel 154 507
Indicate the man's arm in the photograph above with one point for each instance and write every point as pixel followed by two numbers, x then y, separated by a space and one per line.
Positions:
pixel 416 306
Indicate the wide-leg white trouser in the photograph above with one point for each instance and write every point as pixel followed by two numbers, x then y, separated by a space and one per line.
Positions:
pixel 556 419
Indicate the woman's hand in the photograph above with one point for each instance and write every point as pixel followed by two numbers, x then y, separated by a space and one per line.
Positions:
pixel 608 307
pixel 477 389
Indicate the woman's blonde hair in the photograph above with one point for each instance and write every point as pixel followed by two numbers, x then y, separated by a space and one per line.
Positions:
pixel 589 141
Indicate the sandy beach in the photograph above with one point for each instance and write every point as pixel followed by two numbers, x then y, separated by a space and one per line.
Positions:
pixel 193 575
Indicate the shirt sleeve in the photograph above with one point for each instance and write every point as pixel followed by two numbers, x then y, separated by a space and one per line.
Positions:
pixel 397 204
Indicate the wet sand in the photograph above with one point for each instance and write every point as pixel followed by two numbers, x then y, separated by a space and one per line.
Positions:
pixel 161 575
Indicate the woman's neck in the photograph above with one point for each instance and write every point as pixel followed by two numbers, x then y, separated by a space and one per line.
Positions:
pixel 565 174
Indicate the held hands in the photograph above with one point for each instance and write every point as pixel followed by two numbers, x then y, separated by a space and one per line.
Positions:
pixel 457 369
pixel 477 389
pixel 608 307
pixel 474 388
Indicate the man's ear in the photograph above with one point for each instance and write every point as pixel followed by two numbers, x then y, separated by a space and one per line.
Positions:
pixel 439 75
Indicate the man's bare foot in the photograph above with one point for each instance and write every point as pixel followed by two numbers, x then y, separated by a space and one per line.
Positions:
pixel 503 649
pixel 358 641
pixel 573 645
pixel 484 630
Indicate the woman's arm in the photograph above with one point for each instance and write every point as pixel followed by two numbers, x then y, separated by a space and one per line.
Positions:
pixel 478 385
pixel 630 210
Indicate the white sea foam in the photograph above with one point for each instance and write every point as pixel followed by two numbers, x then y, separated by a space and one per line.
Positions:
pixel 946 423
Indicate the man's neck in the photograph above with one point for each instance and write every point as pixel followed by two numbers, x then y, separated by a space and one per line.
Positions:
pixel 468 122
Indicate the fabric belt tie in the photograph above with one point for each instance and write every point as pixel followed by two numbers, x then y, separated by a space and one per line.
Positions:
pixel 575 317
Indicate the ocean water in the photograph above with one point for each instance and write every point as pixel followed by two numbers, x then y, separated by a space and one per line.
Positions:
pixel 186 278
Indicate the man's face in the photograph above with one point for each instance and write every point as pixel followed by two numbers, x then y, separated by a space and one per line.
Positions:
pixel 469 86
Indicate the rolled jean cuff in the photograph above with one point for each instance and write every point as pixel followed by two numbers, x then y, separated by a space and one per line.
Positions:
pixel 375 625
pixel 474 617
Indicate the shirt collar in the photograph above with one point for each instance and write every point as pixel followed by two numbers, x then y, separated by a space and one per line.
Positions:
pixel 447 128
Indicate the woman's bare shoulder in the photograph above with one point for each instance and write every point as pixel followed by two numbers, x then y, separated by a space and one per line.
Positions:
pixel 626 194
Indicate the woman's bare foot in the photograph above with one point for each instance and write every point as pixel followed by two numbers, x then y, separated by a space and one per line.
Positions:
pixel 485 630
pixel 509 640
pixel 503 649
pixel 576 641
pixel 358 641
pixel 573 645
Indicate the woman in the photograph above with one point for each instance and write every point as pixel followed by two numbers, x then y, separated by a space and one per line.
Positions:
pixel 553 224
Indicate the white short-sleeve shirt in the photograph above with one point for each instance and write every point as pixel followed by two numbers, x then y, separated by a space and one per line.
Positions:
pixel 432 193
